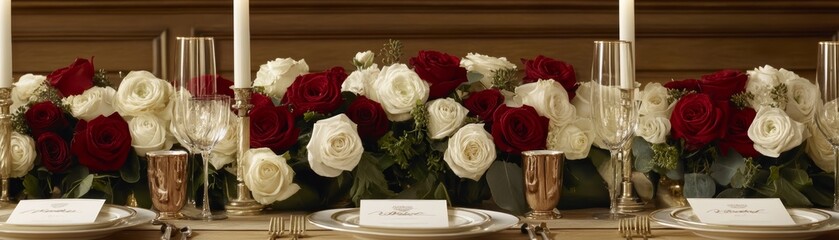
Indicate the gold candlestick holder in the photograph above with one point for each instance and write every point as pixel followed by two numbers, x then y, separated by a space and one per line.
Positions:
pixel 627 202
pixel 243 204
pixel 5 144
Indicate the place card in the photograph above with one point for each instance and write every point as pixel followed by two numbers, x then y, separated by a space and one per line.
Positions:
pixel 404 213
pixel 741 211
pixel 56 211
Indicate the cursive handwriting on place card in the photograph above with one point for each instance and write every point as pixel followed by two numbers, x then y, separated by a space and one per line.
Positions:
pixel 56 211
pixel 741 211
pixel 404 213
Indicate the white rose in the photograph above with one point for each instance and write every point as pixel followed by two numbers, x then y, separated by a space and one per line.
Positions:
pixel 654 101
pixel 773 132
pixel 142 93
pixel 582 103
pixel 820 150
pixel 358 79
pixel 225 150
pixel 92 103
pixel 444 117
pixel 364 60
pixel 275 76
pixel 549 99
pixel 761 82
pixel 470 151
pixel 653 128
pixel 269 177
pixel 23 154
pixel 573 139
pixel 25 88
pixel 148 133
pixel 802 99
pixel 398 89
pixel 335 146
pixel 484 65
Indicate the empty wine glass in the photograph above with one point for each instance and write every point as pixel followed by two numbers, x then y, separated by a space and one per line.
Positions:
pixel 827 119
pixel 614 112
pixel 204 120
pixel 196 71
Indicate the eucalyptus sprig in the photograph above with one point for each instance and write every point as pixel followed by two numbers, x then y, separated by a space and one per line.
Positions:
pixel 505 79
pixel 391 52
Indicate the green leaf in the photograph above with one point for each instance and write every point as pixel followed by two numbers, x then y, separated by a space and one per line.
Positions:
pixel 473 77
pixel 582 187
pixel 677 173
pixel 130 172
pixel 783 189
pixel 732 193
pixel 81 188
pixel 817 196
pixel 74 175
pixel 141 193
pixel 506 182
pixel 102 185
pixel 643 153
pixel 698 185
pixel 305 198
pixel 422 189
pixel 724 167
pixel 441 193
pixel 797 177
pixel 32 186
pixel 369 181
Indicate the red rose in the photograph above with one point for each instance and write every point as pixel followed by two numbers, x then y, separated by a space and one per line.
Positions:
pixel 698 120
pixel 45 117
pixel 484 103
pixel 370 117
pixel 103 143
pixel 202 86
pixel 721 85
pixel 273 127
pixel 259 99
pixel 442 72
pixel 687 84
pixel 737 136
pixel 73 79
pixel 318 92
pixel 519 129
pixel 52 149
pixel 548 68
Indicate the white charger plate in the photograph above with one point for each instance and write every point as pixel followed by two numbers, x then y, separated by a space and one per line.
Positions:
pixel 460 219
pixel 663 217
pixel 109 215
pixel 142 216
pixel 498 221
pixel 804 218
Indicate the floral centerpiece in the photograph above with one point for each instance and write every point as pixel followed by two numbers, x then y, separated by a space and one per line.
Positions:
pixel 736 134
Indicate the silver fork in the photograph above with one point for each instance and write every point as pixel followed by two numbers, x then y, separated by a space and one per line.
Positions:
pixel 275 228
pixel 298 226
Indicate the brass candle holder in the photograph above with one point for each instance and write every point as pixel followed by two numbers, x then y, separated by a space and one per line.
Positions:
pixel 627 202
pixel 243 204
pixel 5 144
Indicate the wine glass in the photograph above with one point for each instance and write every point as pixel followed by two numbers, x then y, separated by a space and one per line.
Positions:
pixel 827 119
pixel 614 112
pixel 204 121
pixel 195 66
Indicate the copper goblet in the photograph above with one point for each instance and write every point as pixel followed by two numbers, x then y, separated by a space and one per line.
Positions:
pixel 542 182
pixel 167 182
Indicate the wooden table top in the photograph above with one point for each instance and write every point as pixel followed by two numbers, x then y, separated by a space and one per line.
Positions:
pixel 575 224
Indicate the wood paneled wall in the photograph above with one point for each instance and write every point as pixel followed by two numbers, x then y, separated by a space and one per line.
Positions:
pixel 675 39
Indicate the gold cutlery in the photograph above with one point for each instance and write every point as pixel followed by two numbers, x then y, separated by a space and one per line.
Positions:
pixel 275 228
pixel 297 227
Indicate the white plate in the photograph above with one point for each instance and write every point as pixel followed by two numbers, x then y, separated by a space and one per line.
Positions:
pixel 804 218
pixel 108 216
pixel 498 221
pixel 143 216
pixel 663 217
pixel 460 219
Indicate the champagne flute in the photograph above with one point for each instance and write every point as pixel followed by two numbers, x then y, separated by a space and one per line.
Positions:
pixel 195 65
pixel 827 119
pixel 614 112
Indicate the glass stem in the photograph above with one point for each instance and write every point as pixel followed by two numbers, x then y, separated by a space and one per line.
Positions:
pixel 836 179
pixel 617 177
pixel 205 208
